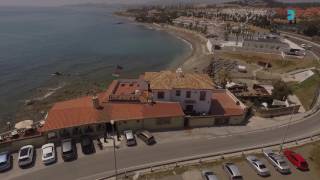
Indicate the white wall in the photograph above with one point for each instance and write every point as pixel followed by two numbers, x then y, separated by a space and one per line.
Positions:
pixel 199 106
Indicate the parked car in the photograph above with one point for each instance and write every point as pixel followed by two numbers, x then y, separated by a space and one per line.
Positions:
pixel 209 175
pixel 48 153
pixel 146 136
pixel 277 161
pixel 296 159
pixel 26 156
pixel 87 145
pixel 232 171
pixel 5 161
pixel 68 150
pixel 258 165
pixel 130 139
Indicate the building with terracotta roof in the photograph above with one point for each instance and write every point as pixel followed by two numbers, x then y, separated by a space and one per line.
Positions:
pixel 155 101
pixel 126 102
pixel 192 90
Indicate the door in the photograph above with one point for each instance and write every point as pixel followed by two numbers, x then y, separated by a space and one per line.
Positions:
pixel 186 122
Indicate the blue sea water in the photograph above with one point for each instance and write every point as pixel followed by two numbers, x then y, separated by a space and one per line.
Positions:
pixel 85 42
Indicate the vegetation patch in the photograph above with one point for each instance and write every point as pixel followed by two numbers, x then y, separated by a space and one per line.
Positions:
pixel 315 155
pixel 278 64
pixel 306 91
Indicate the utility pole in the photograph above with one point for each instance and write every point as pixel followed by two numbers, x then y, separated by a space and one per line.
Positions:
pixel 114 150
pixel 286 131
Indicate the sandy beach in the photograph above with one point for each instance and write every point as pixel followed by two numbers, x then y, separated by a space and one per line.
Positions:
pixel 199 57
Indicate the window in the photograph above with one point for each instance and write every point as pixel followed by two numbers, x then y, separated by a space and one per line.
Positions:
pixel 160 95
pixel 178 92
pixel 202 95
pixel 188 94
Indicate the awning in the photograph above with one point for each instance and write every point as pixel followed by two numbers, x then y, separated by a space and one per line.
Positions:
pixel 26 124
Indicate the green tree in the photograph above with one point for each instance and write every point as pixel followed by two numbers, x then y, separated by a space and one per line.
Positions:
pixel 224 77
pixel 280 90
pixel 311 30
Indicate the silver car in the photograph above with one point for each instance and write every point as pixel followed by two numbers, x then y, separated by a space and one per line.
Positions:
pixel 131 140
pixel 208 175
pixel 258 165
pixel 232 171
pixel 277 161
pixel 26 155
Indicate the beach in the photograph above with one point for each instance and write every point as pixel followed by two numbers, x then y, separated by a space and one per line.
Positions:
pixel 199 58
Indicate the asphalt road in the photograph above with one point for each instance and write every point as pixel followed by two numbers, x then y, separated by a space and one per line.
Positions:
pixel 93 166
pixel 299 40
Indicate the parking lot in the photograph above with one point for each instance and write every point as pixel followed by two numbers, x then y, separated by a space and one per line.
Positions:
pixel 246 171
pixel 17 171
pixel 194 172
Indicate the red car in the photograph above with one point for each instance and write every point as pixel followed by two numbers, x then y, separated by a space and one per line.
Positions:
pixel 296 159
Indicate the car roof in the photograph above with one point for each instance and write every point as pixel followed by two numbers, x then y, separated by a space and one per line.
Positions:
pixel 211 176
pixel 47 149
pixel 47 145
pixel 26 151
pixel 234 169
pixel 66 145
pixel 3 157
pixel 297 156
pixel 128 134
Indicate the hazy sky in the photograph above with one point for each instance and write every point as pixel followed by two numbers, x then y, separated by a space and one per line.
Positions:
pixel 63 2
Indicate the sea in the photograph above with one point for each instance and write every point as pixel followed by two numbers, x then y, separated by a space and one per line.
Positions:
pixel 85 43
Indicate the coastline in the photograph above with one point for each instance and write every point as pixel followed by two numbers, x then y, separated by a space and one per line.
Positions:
pixel 198 59
pixel 195 60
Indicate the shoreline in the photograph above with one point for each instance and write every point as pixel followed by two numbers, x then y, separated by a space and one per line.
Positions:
pixel 199 58
pixel 191 62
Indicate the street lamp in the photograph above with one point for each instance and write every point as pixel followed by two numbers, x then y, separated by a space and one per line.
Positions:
pixel 286 131
pixel 114 150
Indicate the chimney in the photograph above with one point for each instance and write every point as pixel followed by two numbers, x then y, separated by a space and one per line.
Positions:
pixel 95 102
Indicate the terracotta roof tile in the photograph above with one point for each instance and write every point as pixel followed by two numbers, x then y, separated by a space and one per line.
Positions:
pixel 80 111
pixel 173 80
pixel 127 111
pixel 223 105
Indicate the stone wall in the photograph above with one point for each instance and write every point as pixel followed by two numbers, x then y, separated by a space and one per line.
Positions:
pixel 273 112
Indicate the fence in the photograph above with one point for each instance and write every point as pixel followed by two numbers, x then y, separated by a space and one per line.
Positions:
pixel 205 157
